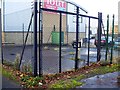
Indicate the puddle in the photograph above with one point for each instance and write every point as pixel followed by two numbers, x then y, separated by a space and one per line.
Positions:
pixel 12 54
pixel 101 81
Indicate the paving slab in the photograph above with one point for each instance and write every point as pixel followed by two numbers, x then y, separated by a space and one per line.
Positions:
pixel 7 84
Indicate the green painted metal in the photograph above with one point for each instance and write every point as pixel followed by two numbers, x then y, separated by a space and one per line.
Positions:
pixel 112 40
pixel 107 37
pixel 56 37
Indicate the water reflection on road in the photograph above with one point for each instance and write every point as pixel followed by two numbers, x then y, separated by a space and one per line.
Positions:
pixel 93 54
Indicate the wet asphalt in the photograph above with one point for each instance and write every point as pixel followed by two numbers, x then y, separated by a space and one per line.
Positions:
pixel 101 81
pixel 50 64
pixel 50 57
pixel 106 81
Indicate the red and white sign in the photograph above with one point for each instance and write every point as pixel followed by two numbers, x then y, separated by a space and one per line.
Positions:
pixel 55 5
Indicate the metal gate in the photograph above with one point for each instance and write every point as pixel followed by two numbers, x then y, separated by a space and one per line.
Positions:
pixel 56 53
pixel 60 36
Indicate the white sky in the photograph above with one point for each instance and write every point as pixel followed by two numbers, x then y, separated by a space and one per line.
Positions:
pixel 94 6
pixel 105 6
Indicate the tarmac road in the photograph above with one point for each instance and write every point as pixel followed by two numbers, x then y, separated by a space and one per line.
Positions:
pixel 50 62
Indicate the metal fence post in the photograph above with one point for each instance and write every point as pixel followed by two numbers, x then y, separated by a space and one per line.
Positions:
pixel 112 41
pixel 60 43
pixel 35 38
pixel 88 42
pixel 107 37
pixel 23 32
pixel 99 32
pixel 3 26
pixel 40 38
pixel 24 46
pixel 77 37
pixel 1 39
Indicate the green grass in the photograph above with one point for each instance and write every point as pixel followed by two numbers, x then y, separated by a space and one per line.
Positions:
pixel 31 81
pixel 105 69
pixel 80 77
pixel 71 53
pixel 67 83
pixel 8 74
pixel 75 81
pixel 8 63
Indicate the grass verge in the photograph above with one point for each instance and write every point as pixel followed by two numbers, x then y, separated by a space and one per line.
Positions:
pixel 69 79
pixel 75 81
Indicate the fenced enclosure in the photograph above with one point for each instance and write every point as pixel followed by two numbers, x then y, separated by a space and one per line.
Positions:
pixel 60 41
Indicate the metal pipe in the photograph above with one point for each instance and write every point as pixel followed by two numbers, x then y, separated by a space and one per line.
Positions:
pixel 77 37
pixel 60 45
pixel 35 38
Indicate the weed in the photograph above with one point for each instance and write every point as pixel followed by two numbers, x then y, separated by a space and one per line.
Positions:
pixel 8 74
pixel 56 86
pixel 31 81
pixel 104 63
pixel 7 63
pixel 17 62
pixel 25 78
pixel 72 53
pixel 74 59
pixel 27 68
pixel 79 77
pixel 66 84
pixel 75 81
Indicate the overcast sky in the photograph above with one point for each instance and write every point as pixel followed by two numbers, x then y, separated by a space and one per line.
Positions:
pixel 105 6
pixel 94 6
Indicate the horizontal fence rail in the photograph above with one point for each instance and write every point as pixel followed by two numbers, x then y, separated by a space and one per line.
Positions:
pixel 64 12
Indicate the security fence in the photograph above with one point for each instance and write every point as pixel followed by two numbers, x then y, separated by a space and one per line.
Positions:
pixel 55 42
